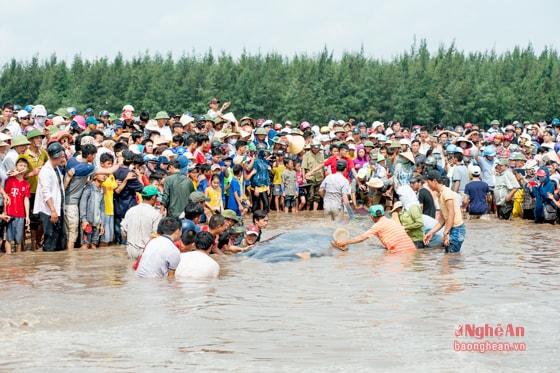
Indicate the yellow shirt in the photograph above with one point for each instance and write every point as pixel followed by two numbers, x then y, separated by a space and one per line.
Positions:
pixel 109 186
pixel 215 196
pixel 447 194
pixel 277 172
pixel 34 162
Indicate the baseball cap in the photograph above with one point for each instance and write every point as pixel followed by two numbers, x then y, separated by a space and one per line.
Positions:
pixel 198 197
pixel 475 171
pixel 149 191
pixel 434 175
pixel 541 172
pixel 22 114
pixel 252 229
pixel 376 210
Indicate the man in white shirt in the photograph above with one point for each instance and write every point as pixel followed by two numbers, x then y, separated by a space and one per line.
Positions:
pixel 161 257
pixel 198 263
pixel 141 222
pixel 50 198
pixel 163 128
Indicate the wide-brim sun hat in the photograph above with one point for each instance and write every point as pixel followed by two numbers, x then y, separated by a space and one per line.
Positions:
pixel 296 145
pixel 375 182
pixel 408 156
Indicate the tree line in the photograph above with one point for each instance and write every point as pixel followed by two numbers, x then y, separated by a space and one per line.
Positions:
pixel 416 87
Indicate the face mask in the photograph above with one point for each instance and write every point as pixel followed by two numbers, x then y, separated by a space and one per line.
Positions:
pixel 232 141
pixel 40 121
pixel 541 178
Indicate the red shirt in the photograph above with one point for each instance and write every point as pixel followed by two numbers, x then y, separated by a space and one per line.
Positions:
pixel 18 190
pixel 199 157
pixel 331 162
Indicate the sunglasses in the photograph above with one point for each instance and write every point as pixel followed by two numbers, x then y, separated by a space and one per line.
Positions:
pixel 25 118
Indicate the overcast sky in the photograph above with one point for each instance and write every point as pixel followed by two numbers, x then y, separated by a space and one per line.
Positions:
pixel 98 28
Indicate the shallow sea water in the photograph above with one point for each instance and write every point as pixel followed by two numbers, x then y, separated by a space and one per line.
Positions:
pixel 358 311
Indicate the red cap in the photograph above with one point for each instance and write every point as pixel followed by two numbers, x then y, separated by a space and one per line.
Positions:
pixel 541 172
pixel 252 229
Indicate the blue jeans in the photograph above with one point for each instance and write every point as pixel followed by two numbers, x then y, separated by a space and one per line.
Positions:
pixel 456 238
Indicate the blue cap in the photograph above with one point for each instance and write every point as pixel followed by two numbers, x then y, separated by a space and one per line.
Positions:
pixel 91 120
pixel 163 159
pixel 184 161
pixel 376 210
pixel 118 125
pixel 180 150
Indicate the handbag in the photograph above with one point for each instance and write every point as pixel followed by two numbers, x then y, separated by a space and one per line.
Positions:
pixel 550 212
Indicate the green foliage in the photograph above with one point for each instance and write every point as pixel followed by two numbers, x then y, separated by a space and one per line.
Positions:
pixel 416 87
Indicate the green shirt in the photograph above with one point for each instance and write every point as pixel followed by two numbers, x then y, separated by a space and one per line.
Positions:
pixel 176 192
pixel 412 222
pixel 310 161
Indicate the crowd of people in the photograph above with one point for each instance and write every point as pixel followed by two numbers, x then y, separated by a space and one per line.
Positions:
pixel 97 179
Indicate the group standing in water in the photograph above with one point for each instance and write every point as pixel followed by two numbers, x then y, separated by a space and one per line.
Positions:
pixel 96 180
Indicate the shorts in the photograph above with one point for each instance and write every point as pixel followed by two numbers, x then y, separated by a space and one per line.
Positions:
pixel 290 201
pixel 277 190
pixel 15 230
pixel 261 189
pixel 34 219
pixel 90 238
pixel 109 226
pixel 71 221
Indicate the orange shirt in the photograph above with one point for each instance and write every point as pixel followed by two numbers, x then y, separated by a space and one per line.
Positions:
pixel 392 235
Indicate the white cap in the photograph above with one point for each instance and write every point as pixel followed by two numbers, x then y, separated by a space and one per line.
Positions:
pixel 475 171
pixel 22 114
pixel 128 107
pixel 352 146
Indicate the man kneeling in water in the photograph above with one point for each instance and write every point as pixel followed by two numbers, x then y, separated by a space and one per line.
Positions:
pixel 391 234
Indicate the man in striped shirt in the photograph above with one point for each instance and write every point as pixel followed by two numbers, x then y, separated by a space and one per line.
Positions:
pixel 391 234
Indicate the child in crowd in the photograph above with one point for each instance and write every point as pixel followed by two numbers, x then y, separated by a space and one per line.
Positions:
pixel 92 212
pixel 228 175
pixel 301 190
pixel 204 177
pixel 106 160
pixel 277 169
pixel 17 211
pixel 214 192
pixel 235 200
pixel 289 185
